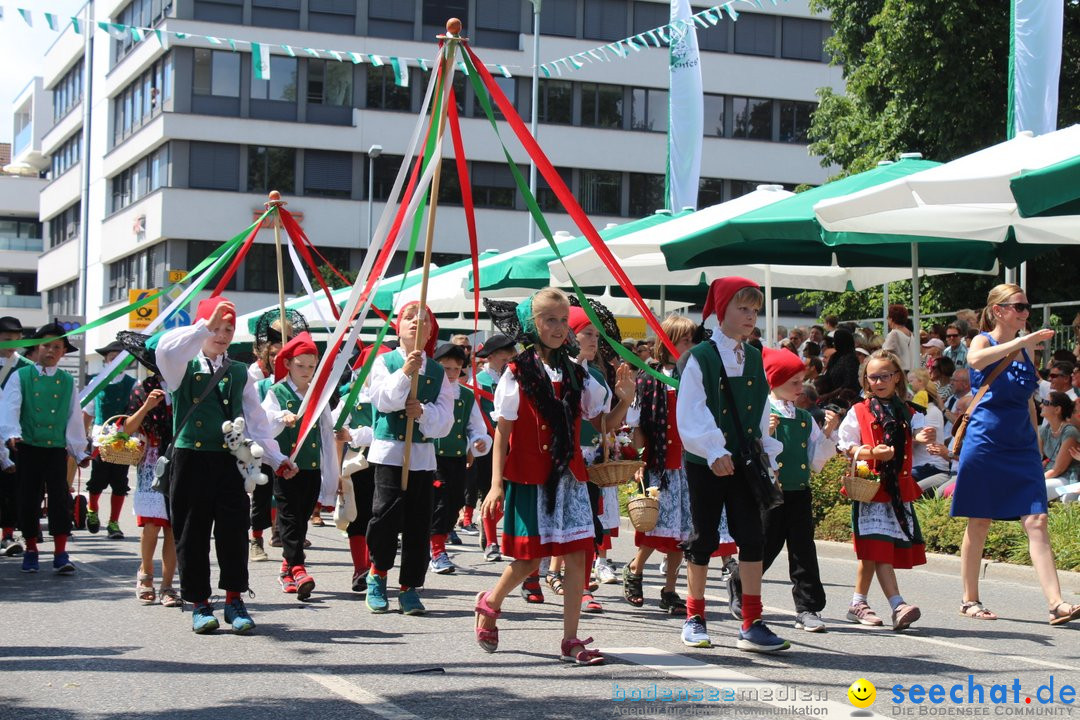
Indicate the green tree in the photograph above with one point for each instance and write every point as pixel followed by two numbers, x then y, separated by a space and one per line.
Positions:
pixel 931 76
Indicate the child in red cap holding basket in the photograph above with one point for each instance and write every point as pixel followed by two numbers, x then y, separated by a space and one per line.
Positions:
pixel 722 414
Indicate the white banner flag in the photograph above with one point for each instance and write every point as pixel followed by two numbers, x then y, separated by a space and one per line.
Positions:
pixel 1035 65
pixel 686 111
pixel 260 60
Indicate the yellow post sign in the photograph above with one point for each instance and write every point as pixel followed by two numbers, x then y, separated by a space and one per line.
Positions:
pixel 632 327
pixel 140 318
pixel 176 276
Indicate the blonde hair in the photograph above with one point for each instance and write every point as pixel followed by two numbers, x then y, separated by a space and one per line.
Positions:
pixel 882 355
pixel 998 294
pixel 676 327
pixel 932 391
pixel 748 295
pixel 547 297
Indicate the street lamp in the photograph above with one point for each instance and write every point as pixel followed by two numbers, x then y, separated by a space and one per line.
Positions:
pixel 373 152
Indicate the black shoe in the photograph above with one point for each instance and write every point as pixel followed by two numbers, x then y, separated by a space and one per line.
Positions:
pixel 734 590
pixel 671 603
pixel 359 582
pixel 452 538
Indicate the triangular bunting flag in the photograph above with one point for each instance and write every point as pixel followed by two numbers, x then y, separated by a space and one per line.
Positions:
pixel 401 71
pixel 76 25
pixel 162 38
pixel 312 52
pixel 357 58
pixel 504 71
pixel 26 16
pixel 260 60
pixel 289 51
pixel 137 34
pixel 50 20
pixel 376 60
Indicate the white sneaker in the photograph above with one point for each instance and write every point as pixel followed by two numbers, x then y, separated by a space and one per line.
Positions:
pixel 663 565
pixel 605 574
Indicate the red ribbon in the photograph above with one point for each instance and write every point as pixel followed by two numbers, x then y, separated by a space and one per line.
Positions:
pixel 235 264
pixel 298 238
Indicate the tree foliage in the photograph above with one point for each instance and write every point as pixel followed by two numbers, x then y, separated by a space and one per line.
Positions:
pixel 931 76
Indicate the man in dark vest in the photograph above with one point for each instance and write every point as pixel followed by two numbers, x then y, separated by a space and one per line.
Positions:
pixel 110 402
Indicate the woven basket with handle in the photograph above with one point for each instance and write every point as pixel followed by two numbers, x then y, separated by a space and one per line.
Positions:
pixel 120 455
pixel 859 488
pixel 610 472
pixel 643 510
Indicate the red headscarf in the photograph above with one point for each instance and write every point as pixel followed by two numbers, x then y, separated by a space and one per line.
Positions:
pixel 430 322
pixel 366 353
pixel 302 344
pixel 781 366
pixel 720 293
pixel 578 319
pixel 206 308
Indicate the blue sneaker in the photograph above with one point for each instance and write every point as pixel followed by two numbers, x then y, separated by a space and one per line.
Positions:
pixel 203 620
pixel 452 538
pixel 694 633
pixel 759 638
pixel 236 614
pixel 441 564
pixel 62 564
pixel 376 594
pixel 410 602
pixel 30 561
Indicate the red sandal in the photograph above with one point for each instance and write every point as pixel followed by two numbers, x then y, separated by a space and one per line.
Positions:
pixel 531 590
pixel 590 604
pixel 583 656
pixel 486 638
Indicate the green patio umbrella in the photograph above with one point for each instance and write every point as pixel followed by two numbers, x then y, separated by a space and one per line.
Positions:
pixel 1048 191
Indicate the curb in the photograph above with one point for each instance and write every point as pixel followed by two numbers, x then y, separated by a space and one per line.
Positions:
pixel 949 565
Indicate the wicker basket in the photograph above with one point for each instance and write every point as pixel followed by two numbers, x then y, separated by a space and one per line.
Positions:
pixel 859 488
pixel 121 455
pixel 643 512
pixel 610 472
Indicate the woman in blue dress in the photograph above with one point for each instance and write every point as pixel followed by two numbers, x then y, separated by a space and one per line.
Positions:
pixel 1001 474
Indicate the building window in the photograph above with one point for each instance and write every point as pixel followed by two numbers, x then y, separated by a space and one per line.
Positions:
pixel 498 24
pixel 140 101
pixel 142 14
pixel 327 173
pixel 282 83
pixel 271 168
pixel 802 39
pixel 20 234
pixel 330 83
pixel 223 11
pixel 559 17
pixel 217 72
pixel 556 100
pixel 649 15
pixel 382 93
pixel 715 37
pixel 493 185
pixel 545 196
pixel 710 192
pixel 63 299
pixel 260 270
pixel 141 178
pixel 507 85
pixel 140 271
pixel 199 250
pixel 19 290
pixel 714 115
pixel 605 19
pixel 435 12
pixel 646 194
pixel 66 156
pixel 795 120
pixel 336 16
pixel 649 109
pixel 68 92
pixel 744 187
pixel 66 225
pixel 601 192
pixel 214 166
pixel 391 19
pixel 755 34
pixel 601 105
pixel 752 118
pixel 276 13
pixel 385 171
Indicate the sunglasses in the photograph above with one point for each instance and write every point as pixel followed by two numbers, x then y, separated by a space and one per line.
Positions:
pixel 1046 403
pixel 881 378
pixel 1017 306
pixel 951 335
pixel 1053 375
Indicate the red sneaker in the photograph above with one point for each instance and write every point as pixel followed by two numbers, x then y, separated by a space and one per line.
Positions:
pixel 304 582
pixel 288 584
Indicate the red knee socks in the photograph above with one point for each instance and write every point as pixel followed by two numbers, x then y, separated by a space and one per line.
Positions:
pixel 95 500
pixel 257 534
pixel 9 532
pixel 466 515
pixel 59 543
pixel 751 610
pixel 491 530
pixel 31 544
pixel 358 549
pixel 695 606
pixel 231 595
pixel 438 544
pixel 116 503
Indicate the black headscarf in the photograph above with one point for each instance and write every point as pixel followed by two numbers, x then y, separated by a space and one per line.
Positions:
pixel 843 370
pixel 652 402
pixel 895 420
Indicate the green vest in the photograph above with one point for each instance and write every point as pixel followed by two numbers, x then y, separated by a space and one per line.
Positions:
pixel 391 426
pixel 263 387
pixel 308 457
pixel 46 402
pixel 588 433
pixel 456 442
pixel 113 400
pixel 225 402
pixel 794 461
pixel 751 392
pixel 20 363
pixel 486 382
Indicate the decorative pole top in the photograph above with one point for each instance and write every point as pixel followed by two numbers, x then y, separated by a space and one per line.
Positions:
pixel 275 200
pixel 453 26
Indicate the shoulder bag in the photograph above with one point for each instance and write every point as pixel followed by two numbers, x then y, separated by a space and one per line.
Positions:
pixel 962 422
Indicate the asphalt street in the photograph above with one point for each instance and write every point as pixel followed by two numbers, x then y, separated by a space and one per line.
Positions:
pixel 83 647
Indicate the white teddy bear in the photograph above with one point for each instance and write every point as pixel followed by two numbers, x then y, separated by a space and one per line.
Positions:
pixel 248 453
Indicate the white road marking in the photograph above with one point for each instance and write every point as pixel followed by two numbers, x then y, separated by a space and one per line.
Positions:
pixel 725 678
pixel 353 693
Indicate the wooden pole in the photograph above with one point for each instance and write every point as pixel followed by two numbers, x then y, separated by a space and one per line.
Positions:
pixel 452 38
pixel 276 202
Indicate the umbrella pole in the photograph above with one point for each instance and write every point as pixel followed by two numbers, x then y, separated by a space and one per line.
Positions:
pixel 885 306
pixel 770 316
pixel 663 301
pixel 448 60
pixel 915 289
pixel 276 202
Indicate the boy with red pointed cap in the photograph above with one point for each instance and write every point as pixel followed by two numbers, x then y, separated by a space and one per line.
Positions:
pixel 806 449
pixel 206 491
pixel 317 478
pixel 707 423
pixel 408 511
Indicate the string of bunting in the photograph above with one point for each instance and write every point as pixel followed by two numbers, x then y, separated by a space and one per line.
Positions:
pixel 660 36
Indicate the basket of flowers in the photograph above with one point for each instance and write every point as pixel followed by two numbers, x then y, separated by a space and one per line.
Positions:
pixel 618 461
pixel 644 508
pixel 115 446
pixel 860 482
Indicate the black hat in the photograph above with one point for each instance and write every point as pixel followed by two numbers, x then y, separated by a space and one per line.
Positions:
pixel 493 343
pixel 114 346
pixel 10 324
pixel 55 329
pixel 141 347
pixel 451 350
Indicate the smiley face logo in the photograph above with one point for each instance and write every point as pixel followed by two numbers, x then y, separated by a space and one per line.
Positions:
pixel 861 694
